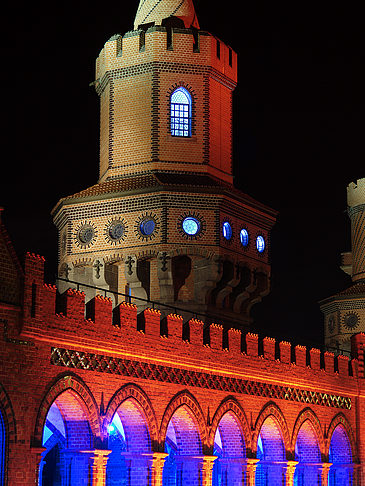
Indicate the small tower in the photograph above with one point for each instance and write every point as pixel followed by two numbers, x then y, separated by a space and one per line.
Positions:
pixel 345 312
pixel 164 222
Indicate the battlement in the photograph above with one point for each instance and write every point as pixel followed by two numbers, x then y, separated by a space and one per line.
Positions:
pixel 167 46
pixel 356 193
pixel 66 317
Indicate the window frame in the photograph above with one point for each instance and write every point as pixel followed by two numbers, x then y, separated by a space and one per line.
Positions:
pixel 177 110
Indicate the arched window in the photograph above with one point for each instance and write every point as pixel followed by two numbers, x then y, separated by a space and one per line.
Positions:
pixel 180 113
pixel 2 450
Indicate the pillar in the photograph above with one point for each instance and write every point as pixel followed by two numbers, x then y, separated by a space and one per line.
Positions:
pixel 99 459
pixel 37 455
pixel 207 470
pixel 251 465
pixel 324 470
pixel 156 461
pixel 289 469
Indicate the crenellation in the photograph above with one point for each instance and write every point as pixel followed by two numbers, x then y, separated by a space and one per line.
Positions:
pixel 234 342
pixel 269 348
pixel 252 344
pixel 196 327
pixel 216 336
pixel 301 355
pixel 315 359
pixel 285 352
pixel 343 365
pixel 329 362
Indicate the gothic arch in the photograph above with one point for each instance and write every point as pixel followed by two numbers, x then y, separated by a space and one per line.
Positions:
pixel 230 404
pixel 74 383
pixel 134 392
pixel 7 413
pixel 308 414
pixel 271 409
pixel 185 398
pixel 340 419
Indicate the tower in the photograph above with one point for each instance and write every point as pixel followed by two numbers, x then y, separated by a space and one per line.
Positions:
pixel 345 312
pixel 164 223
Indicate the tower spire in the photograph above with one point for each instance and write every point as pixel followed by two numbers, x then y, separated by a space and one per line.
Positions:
pixel 158 11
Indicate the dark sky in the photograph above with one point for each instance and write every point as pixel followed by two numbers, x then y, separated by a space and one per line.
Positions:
pixel 299 125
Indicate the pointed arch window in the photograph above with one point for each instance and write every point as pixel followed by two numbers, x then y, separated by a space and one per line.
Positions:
pixel 180 113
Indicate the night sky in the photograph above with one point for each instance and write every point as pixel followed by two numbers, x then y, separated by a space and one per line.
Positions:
pixel 298 117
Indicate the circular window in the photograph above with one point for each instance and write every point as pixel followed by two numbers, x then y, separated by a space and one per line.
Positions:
pixel 244 237
pixel 86 234
pixel 147 226
pixel 191 225
pixel 351 320
pixel 260 243
pixel 116 231
pixel 227 230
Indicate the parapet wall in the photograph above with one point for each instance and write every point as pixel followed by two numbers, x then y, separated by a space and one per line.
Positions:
pixel 66 318
pixel 181 46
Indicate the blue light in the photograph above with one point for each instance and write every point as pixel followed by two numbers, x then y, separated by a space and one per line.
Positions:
pixel 180 113
pixel 260 244
pixel 147 226
pixel 244 237
pixel 227 230
pixel 191 225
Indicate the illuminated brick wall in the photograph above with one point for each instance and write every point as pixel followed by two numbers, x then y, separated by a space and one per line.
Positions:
pixel 185 398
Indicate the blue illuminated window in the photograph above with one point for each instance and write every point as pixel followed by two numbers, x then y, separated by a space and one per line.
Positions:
pixel 227 230
pixel 244 237
pixel 147 226
pixel 180 113
pixel 260 244
pixel 191 225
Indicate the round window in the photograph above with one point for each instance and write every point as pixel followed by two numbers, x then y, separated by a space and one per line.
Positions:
pixel 260 244
pixel 244 237
pixel 147 226
pixel 191 225
pixel 351 320
pixel 116 231
pixel 227 230
pixel 86 234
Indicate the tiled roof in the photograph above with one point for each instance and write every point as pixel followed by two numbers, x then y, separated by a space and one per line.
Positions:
pixel 356 289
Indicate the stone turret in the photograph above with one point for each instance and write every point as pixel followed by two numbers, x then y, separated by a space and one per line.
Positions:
pixel 353 262
pixel 164 223
pixel 345 312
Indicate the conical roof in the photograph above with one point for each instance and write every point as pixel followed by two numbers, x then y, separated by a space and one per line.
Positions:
pixel 156 11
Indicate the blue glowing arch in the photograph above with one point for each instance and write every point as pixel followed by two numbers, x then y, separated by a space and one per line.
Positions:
pixel 180 113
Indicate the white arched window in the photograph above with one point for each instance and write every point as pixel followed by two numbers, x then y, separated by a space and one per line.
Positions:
pixel 180 113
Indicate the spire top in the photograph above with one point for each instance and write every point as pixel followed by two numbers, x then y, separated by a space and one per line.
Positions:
pixel 158 11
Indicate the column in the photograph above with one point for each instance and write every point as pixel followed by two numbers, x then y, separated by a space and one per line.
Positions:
pixel 99 459
pixel 289 469
pixel 251 471
pixel 156 461
pixel 324 470
pixel 37 454
pixel 207 470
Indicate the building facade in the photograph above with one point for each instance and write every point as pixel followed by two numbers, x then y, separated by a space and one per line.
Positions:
pixel 138 368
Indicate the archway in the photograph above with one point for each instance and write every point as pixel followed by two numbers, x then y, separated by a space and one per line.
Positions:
pixel 308 454
pixel 271 454
pixel 68 441
pixel 340 455
pixel 230 448
pixel 2 449
pixel 129 440
pixel 183 445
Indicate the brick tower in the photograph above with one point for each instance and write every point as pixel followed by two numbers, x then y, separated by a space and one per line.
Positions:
pixel 164 222
pixel 345 312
